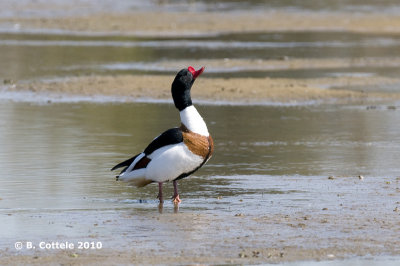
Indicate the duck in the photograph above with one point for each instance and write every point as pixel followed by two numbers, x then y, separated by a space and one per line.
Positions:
pixel 177 152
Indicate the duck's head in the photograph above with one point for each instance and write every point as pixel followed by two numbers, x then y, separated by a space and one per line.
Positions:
pixel 181 86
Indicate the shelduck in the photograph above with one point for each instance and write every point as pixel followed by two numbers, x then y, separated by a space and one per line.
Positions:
pixel 177 152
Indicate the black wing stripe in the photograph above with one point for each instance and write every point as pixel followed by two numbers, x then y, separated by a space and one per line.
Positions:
pixel 171 136
pixel 125 163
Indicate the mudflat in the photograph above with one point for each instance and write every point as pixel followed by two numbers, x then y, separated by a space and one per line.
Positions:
pixel 216 90
pixel 190 23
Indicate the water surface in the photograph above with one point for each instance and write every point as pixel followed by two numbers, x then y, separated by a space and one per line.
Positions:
pixel 50 56
pixel 55 181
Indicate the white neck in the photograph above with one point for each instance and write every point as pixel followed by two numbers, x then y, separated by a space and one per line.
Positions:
pixel 193 121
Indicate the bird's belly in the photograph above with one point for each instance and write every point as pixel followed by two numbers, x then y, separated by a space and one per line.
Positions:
pixel 171 161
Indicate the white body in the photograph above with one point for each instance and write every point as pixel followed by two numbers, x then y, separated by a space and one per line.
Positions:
pixel 169 162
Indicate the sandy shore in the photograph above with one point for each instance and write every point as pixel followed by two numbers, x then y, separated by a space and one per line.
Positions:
pixel 218 90
pixel 189 23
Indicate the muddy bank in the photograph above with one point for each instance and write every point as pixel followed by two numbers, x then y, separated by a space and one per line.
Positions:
pixel 189 238
pixel 216 90
pixel 189 23
pixel 248 256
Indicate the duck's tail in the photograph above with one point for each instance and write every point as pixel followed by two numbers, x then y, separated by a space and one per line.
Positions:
pixel 134 171
pixel 136 178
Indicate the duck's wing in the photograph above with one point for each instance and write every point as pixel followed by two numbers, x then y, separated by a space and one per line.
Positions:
pixel 171 136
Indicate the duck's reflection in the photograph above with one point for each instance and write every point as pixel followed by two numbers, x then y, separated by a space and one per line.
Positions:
pixel 161 207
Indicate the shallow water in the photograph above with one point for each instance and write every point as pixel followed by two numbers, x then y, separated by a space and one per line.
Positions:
pixel 55 158
pixel 43 55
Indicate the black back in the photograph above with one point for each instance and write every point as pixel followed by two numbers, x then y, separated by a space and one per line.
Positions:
pixel 171 136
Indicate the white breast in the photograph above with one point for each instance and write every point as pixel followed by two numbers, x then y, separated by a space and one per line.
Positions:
pixel 193 121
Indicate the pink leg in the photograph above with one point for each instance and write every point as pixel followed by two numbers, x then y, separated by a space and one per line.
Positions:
pixel 160 196
pixel 176 198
